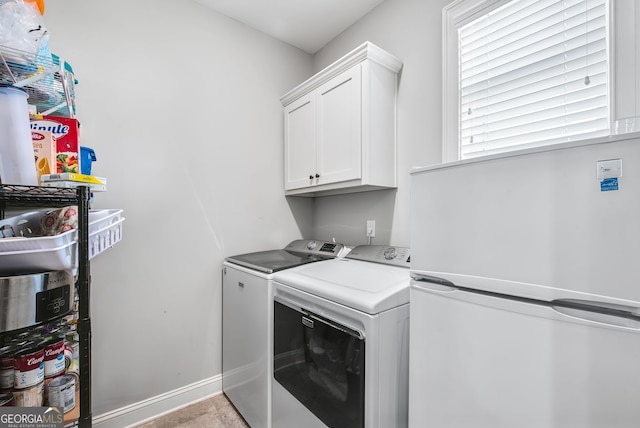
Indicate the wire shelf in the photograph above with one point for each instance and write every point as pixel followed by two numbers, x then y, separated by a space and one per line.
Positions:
pixel 49 81
pixel 27 196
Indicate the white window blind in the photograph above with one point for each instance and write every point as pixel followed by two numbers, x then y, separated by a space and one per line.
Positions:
pixel 533 73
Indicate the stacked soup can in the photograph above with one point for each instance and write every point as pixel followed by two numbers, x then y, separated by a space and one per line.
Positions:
pixel 39 367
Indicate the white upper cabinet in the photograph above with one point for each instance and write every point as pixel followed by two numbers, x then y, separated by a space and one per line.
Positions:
pixel 340 126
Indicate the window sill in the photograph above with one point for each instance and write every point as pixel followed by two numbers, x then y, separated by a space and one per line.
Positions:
pixel 527 152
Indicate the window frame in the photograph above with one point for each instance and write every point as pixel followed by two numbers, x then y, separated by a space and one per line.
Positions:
pixel 454 16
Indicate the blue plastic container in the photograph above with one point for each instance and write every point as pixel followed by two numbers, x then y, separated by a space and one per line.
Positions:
pixel 87 157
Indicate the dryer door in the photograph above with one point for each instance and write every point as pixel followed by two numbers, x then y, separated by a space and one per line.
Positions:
pixel 321 363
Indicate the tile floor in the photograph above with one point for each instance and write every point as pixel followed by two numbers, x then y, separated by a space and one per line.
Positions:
pixel 214 412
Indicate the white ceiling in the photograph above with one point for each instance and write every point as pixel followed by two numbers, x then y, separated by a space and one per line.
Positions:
pixel 305 24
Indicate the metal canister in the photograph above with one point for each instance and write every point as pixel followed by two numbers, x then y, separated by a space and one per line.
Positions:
pixel 61 392
pixel 28 366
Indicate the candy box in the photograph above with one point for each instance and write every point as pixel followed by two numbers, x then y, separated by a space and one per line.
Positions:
pixel 67 134
pixel 45 151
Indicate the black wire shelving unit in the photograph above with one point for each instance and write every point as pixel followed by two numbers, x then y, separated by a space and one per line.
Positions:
pixel 16 197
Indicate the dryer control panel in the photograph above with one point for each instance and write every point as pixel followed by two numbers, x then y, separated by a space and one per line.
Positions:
pixel 395 256
pixel 310 246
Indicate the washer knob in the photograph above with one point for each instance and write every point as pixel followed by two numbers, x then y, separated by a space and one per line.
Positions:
pixel 311 245
pixel 390 253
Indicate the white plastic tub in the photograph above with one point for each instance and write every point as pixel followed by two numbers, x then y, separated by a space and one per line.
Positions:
pixel 40 260
pixel 58 252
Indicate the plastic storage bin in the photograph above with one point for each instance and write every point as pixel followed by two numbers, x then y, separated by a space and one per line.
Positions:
pixel 20 254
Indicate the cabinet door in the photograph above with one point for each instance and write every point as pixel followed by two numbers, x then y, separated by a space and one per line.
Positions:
pixel 339 135
pixel 300 142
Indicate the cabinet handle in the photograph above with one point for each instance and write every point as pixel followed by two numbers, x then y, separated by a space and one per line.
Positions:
pixel 317 175
pixel 311 177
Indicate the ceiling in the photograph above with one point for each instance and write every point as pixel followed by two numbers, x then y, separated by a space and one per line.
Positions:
pixel 305 24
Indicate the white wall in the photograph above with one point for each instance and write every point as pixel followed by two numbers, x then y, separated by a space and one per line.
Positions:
pixel 410 30
pixel 182 108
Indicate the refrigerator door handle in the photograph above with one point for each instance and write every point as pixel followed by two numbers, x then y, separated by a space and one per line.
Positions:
pixel 427 281
pixel 433 286
pixel 600 312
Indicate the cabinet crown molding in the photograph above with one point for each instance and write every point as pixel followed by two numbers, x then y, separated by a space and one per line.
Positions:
pixel 366 51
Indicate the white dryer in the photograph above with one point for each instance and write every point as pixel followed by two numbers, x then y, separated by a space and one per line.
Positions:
pixel 246 322
pixel 341 341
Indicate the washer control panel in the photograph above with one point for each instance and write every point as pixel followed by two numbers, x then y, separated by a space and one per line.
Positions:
pixel 396 256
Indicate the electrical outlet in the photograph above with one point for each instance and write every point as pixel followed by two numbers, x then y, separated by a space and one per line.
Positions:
pixel 371 228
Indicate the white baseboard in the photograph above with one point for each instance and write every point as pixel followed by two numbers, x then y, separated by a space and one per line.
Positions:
pixel 159 405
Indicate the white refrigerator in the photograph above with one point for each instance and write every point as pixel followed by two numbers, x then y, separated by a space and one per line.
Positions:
pixel 525 295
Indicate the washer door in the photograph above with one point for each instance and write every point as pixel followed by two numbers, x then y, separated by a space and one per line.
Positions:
pixel 321 363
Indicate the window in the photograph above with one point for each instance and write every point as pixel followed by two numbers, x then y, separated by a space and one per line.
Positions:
pixel 524 73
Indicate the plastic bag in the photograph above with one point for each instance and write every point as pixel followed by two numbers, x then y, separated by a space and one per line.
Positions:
pixel 22 28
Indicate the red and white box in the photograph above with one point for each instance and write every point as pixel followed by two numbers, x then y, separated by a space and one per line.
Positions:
pixel 67 134
pixel 45 150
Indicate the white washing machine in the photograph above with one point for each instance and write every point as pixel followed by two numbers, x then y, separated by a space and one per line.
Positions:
pixel 246 322
pixel 341 341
